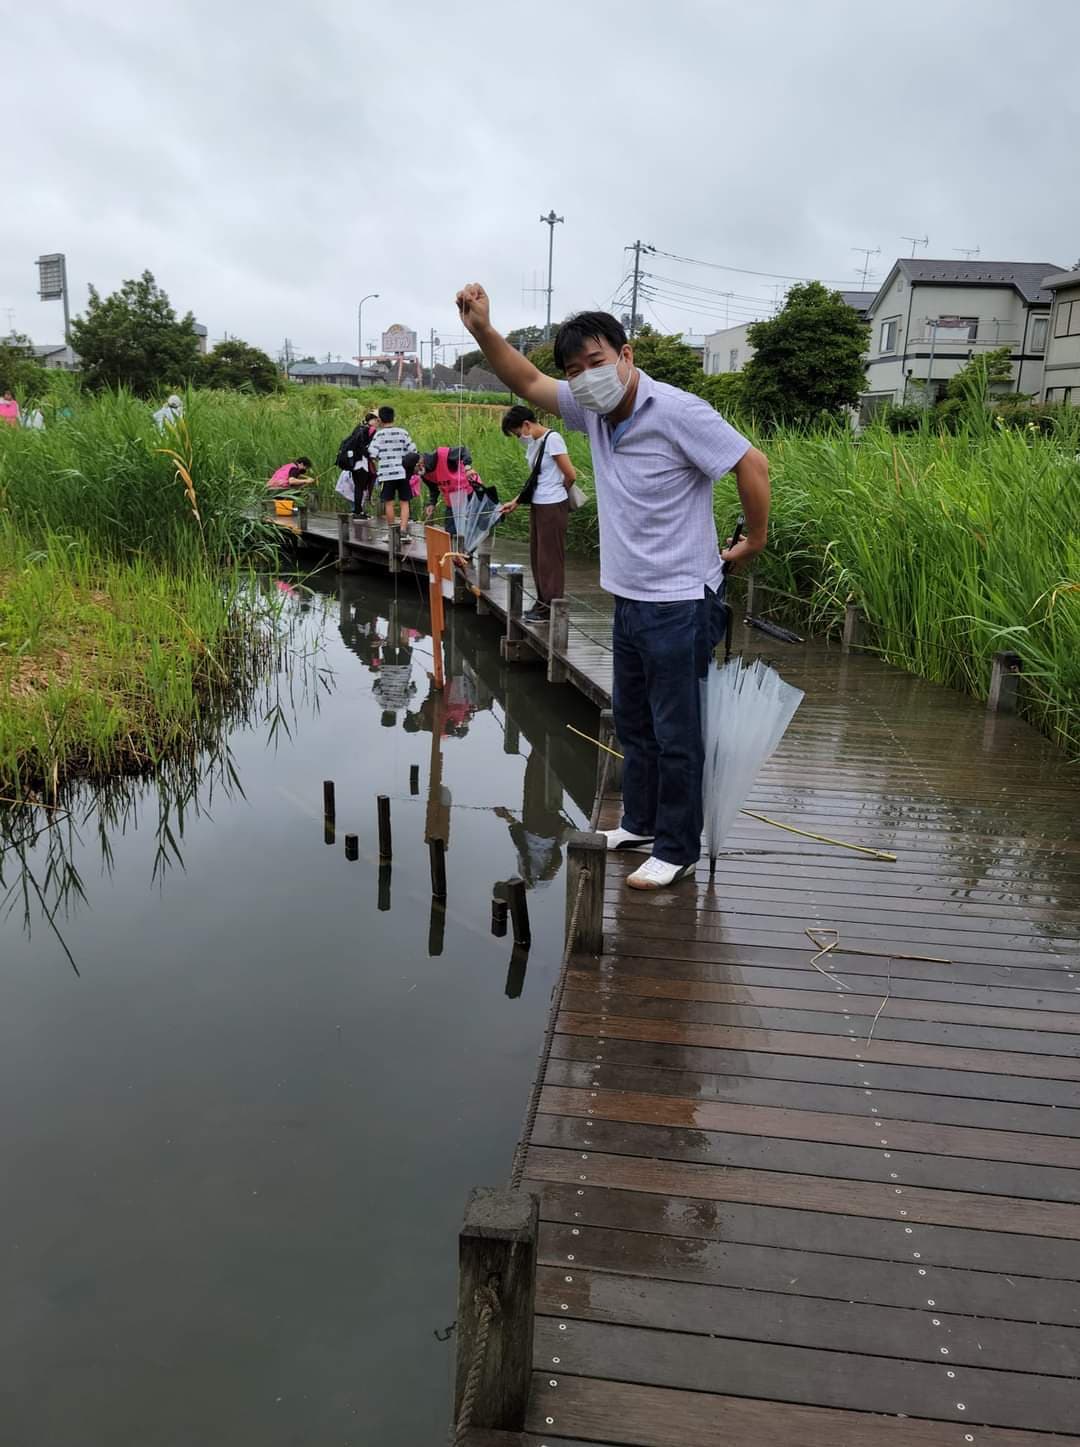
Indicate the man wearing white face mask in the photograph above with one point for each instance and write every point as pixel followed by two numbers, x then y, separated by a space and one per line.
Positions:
pixel 657 451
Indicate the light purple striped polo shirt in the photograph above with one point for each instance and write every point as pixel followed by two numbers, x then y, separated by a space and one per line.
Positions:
pixel 654 491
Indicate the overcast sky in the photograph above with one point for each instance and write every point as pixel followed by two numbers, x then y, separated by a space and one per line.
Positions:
pixel 271 162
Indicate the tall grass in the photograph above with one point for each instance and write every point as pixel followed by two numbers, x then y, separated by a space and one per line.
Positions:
pixel 110 666
pixel 954 546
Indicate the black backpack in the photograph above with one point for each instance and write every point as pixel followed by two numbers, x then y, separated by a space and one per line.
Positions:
pixel 353 448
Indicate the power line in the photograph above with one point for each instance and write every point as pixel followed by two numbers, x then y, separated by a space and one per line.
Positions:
pixel 746 271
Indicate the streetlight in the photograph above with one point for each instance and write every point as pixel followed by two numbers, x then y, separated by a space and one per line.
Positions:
pixel 371 296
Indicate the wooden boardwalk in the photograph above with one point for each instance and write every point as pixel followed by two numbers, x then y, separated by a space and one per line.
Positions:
pixel 835 1206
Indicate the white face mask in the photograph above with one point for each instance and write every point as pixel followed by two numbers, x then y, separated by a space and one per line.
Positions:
pixel 600 389
pixel 525 439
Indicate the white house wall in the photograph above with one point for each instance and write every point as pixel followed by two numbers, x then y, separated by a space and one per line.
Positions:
pixel 1063 353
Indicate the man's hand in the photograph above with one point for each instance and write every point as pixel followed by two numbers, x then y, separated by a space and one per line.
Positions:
pixel 474 304
pixel 752 479
pixel 744 549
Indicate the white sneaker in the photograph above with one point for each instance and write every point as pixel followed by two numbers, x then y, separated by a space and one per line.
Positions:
pixel 623 839
pixel 657 874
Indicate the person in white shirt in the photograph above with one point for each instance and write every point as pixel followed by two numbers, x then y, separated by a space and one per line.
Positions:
pixel 388 450
pixel 551 476
pixel 170 414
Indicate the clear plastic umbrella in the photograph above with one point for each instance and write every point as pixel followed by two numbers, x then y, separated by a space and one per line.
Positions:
pixel 745 711
pixel 474 514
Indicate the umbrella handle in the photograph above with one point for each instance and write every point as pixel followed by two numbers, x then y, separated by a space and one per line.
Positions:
pixel 730 621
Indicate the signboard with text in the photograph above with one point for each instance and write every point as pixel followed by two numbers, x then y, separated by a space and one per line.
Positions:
pixel 398 339
pixel 51 276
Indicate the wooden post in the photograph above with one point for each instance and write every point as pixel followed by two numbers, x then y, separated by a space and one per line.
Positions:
pixel 437 858
pixel 302 518
pixel 352 846
pixel 586 852
pixel 329 811
pixel 750 590
pixel 558 640
pixel 385 875
pixel 515 597
pixel 519 910
pixel 853 628
pixel 483 575
pixel 385 841
pixel 499 911
pixel 497 1253
pixel 614 770
pixel 1005 678
pixel 414 778
pixel 394 554
pixel 342 538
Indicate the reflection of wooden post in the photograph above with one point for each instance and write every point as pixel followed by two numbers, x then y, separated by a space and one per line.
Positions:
pixel 558 640
pixel 519 911
pixel 414 778
pixel 436 927
pixel 586 852
pixel 437 816
pixel 352 846
pixel 385 875
pixel 329 811
pixel 342 537
pixel 515 974
pixel 497 1254
pixel 511 736
pixel 1005 677
pixel 437 858
pixel 386 850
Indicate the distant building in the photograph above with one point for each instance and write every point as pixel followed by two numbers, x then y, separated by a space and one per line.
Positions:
pixel 929 319
pixel 696 342
pixel 54 355
pixel 200 332
pixel 1061 368
pixel 727 350
pixel 334 374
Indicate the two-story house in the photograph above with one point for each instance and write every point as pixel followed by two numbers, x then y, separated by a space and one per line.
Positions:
pixel 1061 371
pixel 930 318
pixel 729 350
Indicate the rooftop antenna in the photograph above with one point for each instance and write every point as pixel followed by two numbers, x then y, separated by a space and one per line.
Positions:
pixel 10 320
pixel 967 251
pixel 916 241
pixel 866 252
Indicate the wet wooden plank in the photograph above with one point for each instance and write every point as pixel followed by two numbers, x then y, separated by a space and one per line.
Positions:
pixel 921 1247
pixel 910 1333
pixel 855 1381
pixel 809 1125
pixel 630 1415
pixel 833 1020
pixel 904 1169
pixel 815 1193
pixel 946 1057
pixel 810 1274
pixel 572 1064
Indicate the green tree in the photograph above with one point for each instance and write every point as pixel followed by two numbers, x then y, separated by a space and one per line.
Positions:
pixel 808 360
pixel 667 359
pixel 974 381
pixel 724 391
pixel 19 371
pixel 134 339
pixel 235 364
pixel 543 359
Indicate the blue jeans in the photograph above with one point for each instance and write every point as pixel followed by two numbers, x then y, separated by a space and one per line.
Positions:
pixel 661 652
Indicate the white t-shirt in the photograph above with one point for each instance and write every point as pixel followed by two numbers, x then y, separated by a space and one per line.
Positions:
pixel 551 485
pixel 388 447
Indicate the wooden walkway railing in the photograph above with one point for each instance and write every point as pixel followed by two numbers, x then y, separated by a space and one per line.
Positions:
pixel 806 1196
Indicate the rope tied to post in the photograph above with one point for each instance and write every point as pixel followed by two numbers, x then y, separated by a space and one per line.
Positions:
pixel 486 1301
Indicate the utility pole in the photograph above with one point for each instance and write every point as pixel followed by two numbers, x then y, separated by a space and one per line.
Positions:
pixel 551 221
pixel 638 248
pixel 432 344
pixel 866 252
pixel 916 241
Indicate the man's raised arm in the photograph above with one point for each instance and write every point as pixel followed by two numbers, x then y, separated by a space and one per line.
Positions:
pixel 508 364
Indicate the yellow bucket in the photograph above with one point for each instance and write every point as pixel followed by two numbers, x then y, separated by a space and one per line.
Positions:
pixel 284 506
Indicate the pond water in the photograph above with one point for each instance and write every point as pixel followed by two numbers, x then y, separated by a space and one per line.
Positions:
pixel 237 1143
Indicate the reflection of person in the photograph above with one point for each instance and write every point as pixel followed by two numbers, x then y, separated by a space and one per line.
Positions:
pixel 539 833
pixel 656 453
pixel 393 686
pixel 447 711
pixel 388 450
pixel 551 476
